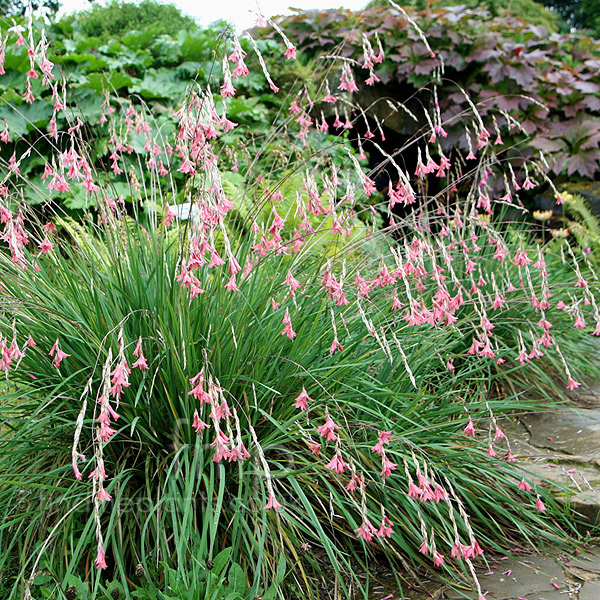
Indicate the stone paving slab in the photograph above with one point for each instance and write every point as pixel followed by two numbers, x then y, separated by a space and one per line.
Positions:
pixel 521 577
pixel 542 578
pixel 590 592
pixel 560 450
pixel 589 563
pixel 571 475
pixel 526 578
pixel 570 430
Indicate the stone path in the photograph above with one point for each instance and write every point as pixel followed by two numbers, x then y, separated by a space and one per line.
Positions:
pixel 542 578
pixel 558 450
pixel 525 578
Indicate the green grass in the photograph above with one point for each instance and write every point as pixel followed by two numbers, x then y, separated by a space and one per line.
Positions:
pixel 173 507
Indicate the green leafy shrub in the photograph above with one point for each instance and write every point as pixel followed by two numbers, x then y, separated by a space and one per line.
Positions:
pixel 508 68
pixel 117 19
pixel 584 14
pixel 18 7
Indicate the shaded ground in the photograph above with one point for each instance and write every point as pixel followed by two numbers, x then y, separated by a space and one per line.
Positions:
pixel 524 577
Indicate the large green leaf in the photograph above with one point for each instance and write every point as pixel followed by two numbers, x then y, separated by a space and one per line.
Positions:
pixel 195 46
pixel 160 83
pixel 22 118
pixel 15 60
pixel 108 81
pixel 89 103
pixel 90 61
pixel 139 39
pixel 166 51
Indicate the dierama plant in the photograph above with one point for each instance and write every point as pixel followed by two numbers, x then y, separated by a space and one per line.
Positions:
pixel 303 388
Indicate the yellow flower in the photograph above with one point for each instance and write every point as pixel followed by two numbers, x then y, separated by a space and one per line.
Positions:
pixel 566 196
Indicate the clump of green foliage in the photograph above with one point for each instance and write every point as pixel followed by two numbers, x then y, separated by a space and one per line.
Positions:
pixel 118 18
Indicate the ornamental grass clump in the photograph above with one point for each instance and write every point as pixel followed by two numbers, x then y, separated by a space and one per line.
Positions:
pixel 214 394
